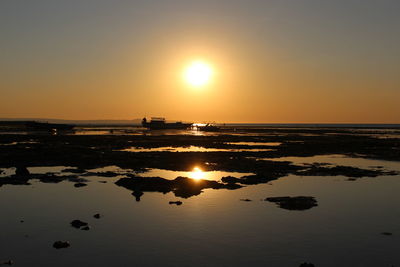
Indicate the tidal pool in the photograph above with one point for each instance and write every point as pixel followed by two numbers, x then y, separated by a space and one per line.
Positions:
pixel 255 143
pixel 197 174
pixel 343 160
pixel 213 228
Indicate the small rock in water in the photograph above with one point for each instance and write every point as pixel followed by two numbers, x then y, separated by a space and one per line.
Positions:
pixel 137 195
pixel 306 264
pixel 86 228
pixel 97 216
pixel 61 244
pixel 294 203
pixel 22 171
pixel 387 233
pixel 80 184
pixel 230 180
pixel 176 202
pixel 21 221
pixel 9 262
pixel 78 224
pixel 245 199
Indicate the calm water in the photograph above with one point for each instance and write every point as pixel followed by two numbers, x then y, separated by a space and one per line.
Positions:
pixel 212 229
pixel 191 149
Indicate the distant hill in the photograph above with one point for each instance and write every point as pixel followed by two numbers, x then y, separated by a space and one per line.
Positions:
pixel 78 122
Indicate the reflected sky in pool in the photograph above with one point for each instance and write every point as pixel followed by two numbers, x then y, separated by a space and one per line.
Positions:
pixel 343 230
pixel 341 160
pixel 191 149
pixel 255 143
pixel 196 173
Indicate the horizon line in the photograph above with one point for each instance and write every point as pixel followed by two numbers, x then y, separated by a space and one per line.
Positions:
pixel 215 122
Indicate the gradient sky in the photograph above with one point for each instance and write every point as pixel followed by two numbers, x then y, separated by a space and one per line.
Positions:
pixel 275 61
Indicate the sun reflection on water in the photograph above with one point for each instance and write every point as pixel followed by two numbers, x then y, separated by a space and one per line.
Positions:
pixel 197 174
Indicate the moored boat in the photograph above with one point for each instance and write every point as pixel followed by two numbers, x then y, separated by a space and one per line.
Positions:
pixel 158 123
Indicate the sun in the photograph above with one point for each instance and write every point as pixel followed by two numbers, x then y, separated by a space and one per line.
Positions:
pixel 198 73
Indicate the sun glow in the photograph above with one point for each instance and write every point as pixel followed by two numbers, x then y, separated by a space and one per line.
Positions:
pixel 198 73
pixel 197 174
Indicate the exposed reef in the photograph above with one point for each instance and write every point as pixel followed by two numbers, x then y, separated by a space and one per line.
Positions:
pixel 318 170
pixel 178 203
pixel 82 153
pixel 61 244
pixel 294 203
pixel 181 186
pixel 44 178
pixel 78 224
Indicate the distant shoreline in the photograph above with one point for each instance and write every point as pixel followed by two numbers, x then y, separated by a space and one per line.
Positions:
pixel 137 123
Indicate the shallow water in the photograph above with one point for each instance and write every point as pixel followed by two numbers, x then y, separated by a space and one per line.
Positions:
pixel 192 149
pixel 341 231
pixel 255 143
pixel 196 174
pixel 214 228
pixel 18 143
pixel 341 160
pixel 47 169
pixel 5 172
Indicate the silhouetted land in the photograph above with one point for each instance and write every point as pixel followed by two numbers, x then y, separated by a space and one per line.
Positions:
pixel 248 156
pixel 94 151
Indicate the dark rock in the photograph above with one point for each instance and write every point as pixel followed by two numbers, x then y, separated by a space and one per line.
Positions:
pixel 232 186
pixel 9 262
pixel 387 233
pixel 294 203
pixel 14 181
pixel 102 174
pixel 78 224
pixel 61 244
pixel 181 186
pixel 245 199
pixel 86 228
pixel 257 179
pixel 80 184
pixel 178 203
pixel 353 172
pixel 97 216
pixel 230 180
pixel 22 171
pixel 77 152
pixel 306 264
pixel 49 178
pixel 137 195
pixel 74 170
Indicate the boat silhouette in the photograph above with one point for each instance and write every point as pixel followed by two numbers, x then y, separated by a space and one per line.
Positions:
pixel 158 123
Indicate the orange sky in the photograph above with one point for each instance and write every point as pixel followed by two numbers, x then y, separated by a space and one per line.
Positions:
pixel 274 62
